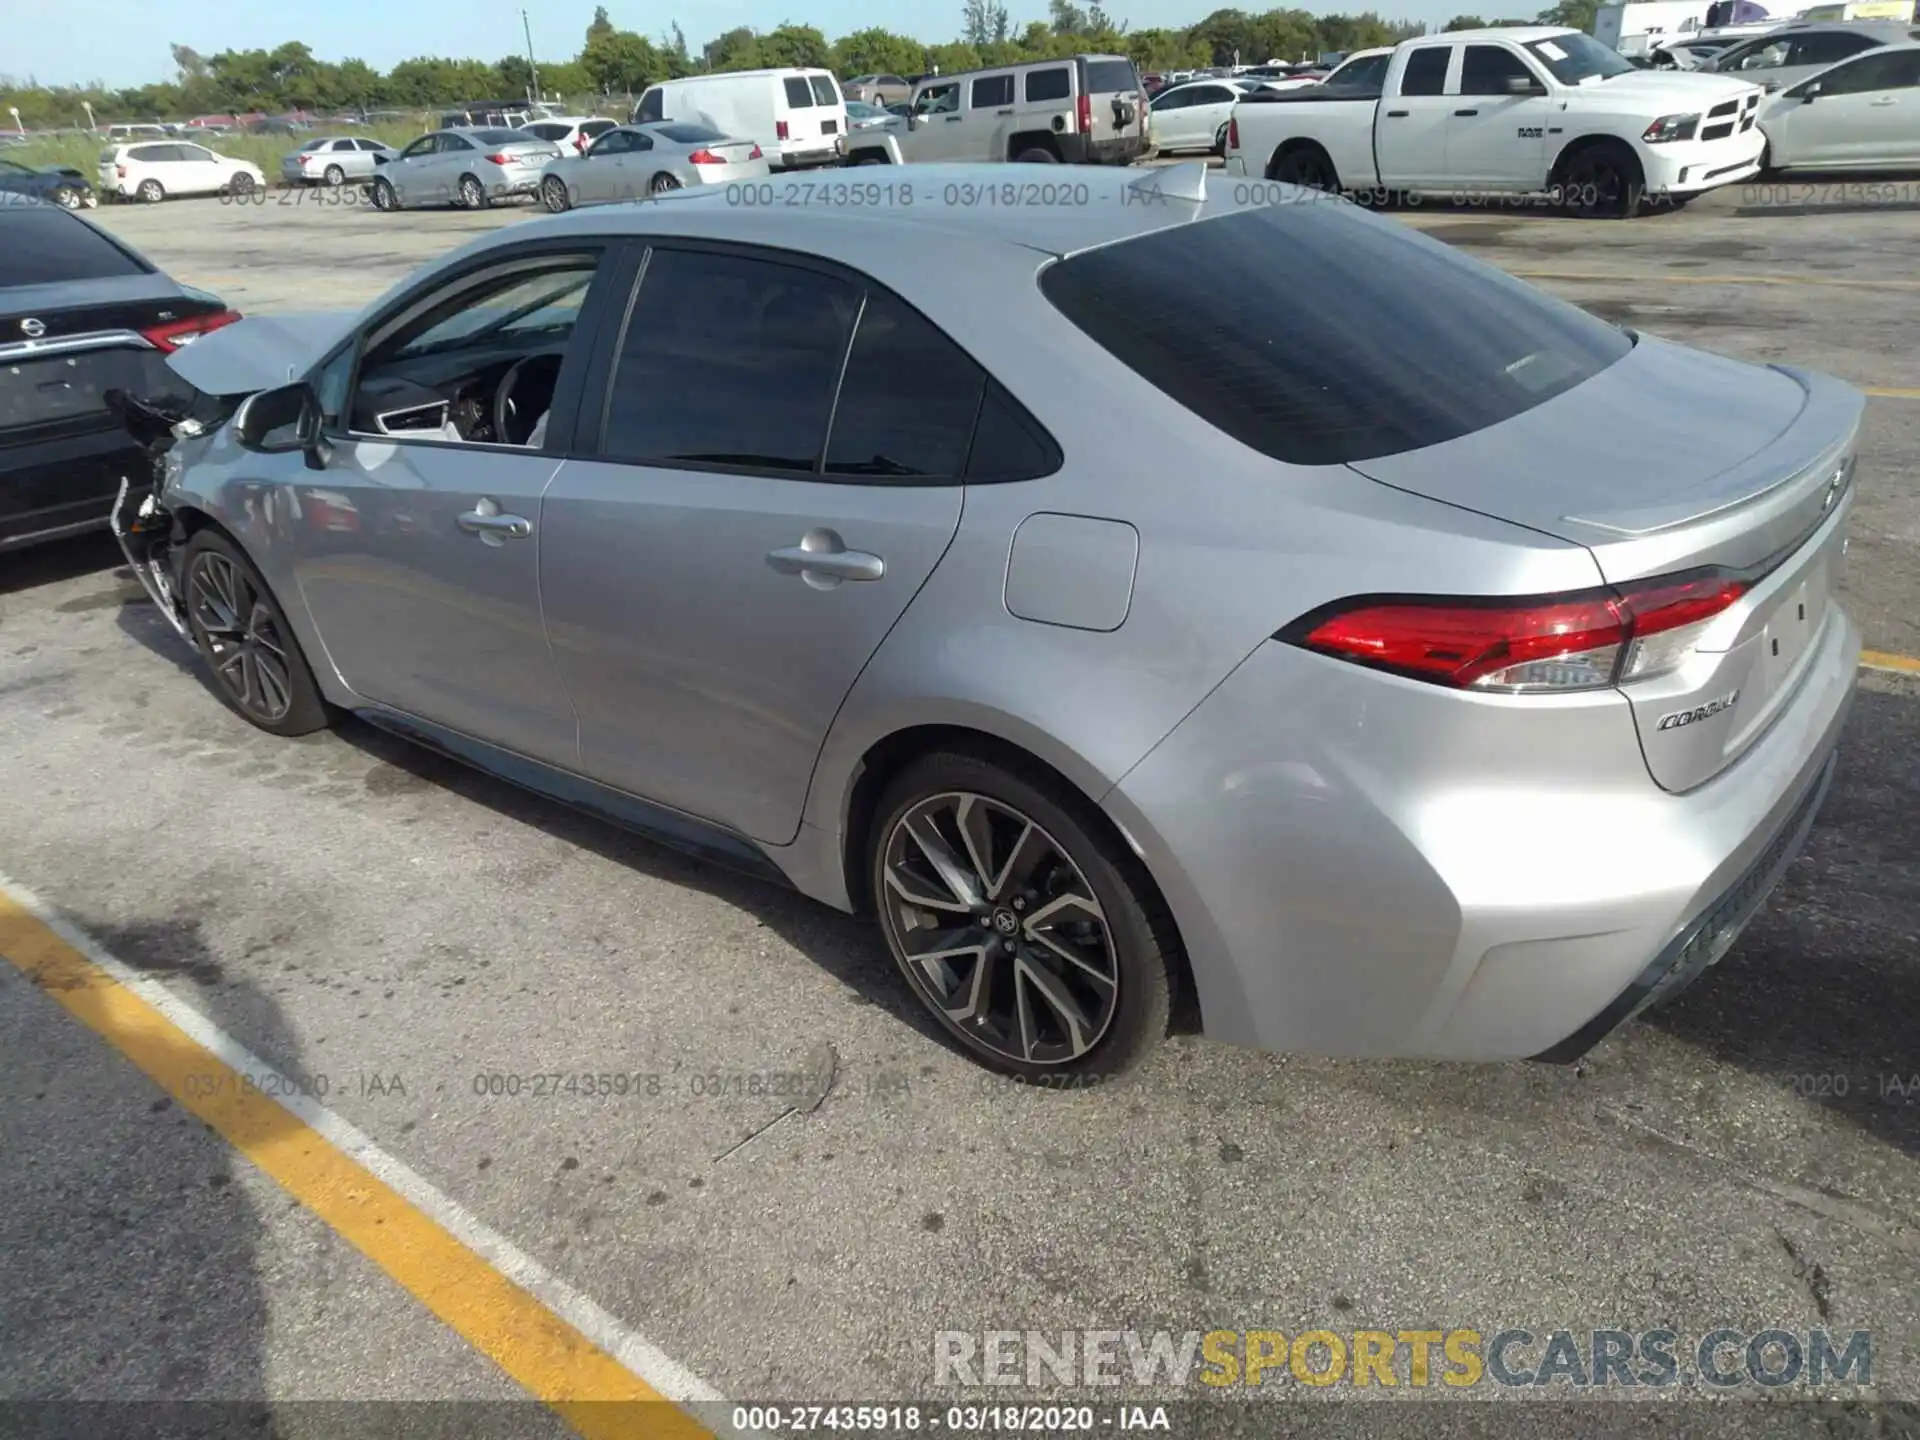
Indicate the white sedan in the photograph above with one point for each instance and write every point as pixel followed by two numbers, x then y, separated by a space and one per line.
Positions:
pixel 1861 114
pixel 1194 116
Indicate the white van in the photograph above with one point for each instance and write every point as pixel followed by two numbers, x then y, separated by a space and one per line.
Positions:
pixel 798 117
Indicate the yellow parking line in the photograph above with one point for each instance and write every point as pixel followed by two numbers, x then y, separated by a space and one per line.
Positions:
pixel 1883 660
pixel 1598 278
pixel 1889 392
pixel 545 1354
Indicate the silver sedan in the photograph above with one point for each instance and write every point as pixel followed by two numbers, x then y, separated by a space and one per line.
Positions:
pixel 635 161
pixel 1862 114
pixel 334 160
pixel 835 543
pixel 467 167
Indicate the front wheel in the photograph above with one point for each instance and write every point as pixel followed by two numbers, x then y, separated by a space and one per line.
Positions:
pixel 1023 927
pixel 384 197
pixel 1603 182
pixel 242 634
pixel 67 199
pixel 553 195
pixel 241 186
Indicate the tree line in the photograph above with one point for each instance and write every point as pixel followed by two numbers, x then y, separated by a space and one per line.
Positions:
pixel 612 61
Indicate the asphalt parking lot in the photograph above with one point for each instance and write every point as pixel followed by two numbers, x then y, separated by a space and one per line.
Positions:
pixel 345 907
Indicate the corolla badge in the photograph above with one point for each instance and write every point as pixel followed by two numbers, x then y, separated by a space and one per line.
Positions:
pixel 1694 716
pixel 33 329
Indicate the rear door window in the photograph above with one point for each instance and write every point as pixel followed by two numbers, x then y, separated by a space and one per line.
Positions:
pixel 908 402
pixel 991 92
pixel 799 93
pixel 1252 322
pixel 823 89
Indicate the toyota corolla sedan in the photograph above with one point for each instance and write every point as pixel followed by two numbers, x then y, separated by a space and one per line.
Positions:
pixel 1434 681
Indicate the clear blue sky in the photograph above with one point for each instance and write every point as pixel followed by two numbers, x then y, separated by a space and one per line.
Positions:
pixel 125 42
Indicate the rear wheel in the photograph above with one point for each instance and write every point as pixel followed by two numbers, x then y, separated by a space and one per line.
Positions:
pixel 473 195
pixel 242 634
pixel 335 176
pixel 1603 182
pixel 662 183
pixel 151 192
pixel 553 194
pixel 1036 155
pixel 1307 166
pixel 1220 141
pixel 1018 921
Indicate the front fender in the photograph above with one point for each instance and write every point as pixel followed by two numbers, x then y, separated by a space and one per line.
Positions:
pixel 867 143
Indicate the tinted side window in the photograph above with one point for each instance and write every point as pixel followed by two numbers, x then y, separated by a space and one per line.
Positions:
pixel 1433 347
pixel 1826 48
pixel 991 92
pixel 728 360
pixel 151 154
pixel 908 402
pixel 1048 84
pixel 1008 443
pixel 1369 73
pixel 824 90
pixel 44 246
pixel 1487 68
pixel 1426 72
pixel 799 94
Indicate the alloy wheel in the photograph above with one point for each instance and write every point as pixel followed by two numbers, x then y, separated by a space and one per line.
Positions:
pixel 243 639
pixel 67 199
pixel 335 176
pixel 997 927
pixel 471 195
pixel 664 183
pixel 553 194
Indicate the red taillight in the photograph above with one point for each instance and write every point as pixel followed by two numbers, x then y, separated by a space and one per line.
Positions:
pixel 754 154
pixel 175 333
pixel 704 157
pixel 1086 114
pixel 1233 132
pixel 1571 642
pixel 120 172
pixel 780 129
pixel 500 158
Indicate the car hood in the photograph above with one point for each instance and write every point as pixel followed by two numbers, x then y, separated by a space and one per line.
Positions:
pixel 1657 440
pixel 1659 87
pixel 260 352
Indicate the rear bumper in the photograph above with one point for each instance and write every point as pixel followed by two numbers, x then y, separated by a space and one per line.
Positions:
pixel 800 155
pixel 1122 150
pixel 54 488
pixel 1365 866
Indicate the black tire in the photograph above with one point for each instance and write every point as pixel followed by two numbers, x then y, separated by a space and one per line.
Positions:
pixel 241 185
pixel 661 184
pixel 1603 181
pixel 150 192
pixel 553 195
pixel 334 176
pixel 1220 141
pixel 254 663
pixel 66 198
pixel 473 195
pixel 1138 937
pixel 1306 166
pixel 384 197
pixel 1036 155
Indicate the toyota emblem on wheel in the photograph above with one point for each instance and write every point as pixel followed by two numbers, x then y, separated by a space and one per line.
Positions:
pixel 33 329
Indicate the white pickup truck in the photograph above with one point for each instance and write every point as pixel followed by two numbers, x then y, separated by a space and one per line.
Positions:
pixel 1531 110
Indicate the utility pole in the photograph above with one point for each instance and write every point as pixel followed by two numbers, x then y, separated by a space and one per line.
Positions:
pixel 533 70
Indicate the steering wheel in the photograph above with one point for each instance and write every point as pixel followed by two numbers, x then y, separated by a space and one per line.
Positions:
pixel 513 423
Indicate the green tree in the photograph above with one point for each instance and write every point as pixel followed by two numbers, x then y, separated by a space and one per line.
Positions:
pixel 737 49
pixel 1463 22
pixel 983 22
pixel 673 53
pixel 1574 14
pixel 1066 17
pixel 621 61
pixel 795 45
pixel 600 27
pixel 878 52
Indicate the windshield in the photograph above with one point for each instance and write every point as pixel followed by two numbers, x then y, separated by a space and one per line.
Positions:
pixel 499 137
pixel 1574 59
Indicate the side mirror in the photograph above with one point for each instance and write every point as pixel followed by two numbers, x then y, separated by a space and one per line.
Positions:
pixel 1809 94
pixel 279 422
pixel 1523 85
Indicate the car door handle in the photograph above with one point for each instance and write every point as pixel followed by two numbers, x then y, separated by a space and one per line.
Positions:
pixel 1886 100
pixel 828 561
pixel 1398 114
pixel 484 522
pixel 1465 112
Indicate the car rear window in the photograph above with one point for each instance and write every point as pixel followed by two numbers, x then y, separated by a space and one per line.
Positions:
pixel 45 246
pixel 497 137
pixel 799 96
pixel 549 131
pixel 313 145
pixel 823 89
pixel 1319 335
pixel 1105 76
pixel 688 134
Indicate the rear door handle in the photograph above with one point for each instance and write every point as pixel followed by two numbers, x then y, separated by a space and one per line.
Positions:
pixel 1397 114
pixel 1886 100
pixel 1466 112
pixel 823 561
pixel 490 524
pixel 1007 111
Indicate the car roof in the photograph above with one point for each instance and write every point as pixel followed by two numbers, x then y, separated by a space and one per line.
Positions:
pixel 1519 34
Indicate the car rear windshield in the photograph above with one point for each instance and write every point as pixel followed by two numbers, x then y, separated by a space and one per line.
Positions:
pixel 549 131
pixel 313 145
pixel 1320 335
pixel 688 134
pixel 44 246
pixel 823 89
pixel 799 96
pixel 1105 76
pixel 499 137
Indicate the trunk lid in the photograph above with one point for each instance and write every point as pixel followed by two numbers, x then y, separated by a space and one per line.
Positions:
pixel 261 351
pixel 1671 461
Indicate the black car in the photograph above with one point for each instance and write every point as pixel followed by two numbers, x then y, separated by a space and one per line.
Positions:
pixel 62 184
pixel 80 314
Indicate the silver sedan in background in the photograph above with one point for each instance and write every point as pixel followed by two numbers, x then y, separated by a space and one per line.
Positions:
pixel 634 161
pixel 467 167
pixel 334 160
pixel 1862 114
